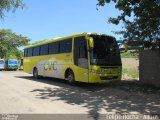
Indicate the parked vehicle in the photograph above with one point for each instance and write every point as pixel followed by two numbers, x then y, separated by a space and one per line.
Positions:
pixel 2 64
pixel 12 64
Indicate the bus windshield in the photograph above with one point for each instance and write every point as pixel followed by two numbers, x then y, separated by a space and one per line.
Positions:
pixel 12 62
pixel 1 61
pixel 105 51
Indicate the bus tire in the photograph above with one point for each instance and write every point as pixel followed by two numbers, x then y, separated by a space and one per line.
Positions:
pixel 35 73
pixel 71 78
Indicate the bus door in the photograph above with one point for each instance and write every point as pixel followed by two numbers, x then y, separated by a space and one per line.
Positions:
pixel 81 59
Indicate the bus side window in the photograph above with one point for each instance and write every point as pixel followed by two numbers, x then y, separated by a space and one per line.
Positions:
pixel 36 51
pixel 66 46
pixel 54 48
pixel 30 52
pixel 25 52
pixel 44 49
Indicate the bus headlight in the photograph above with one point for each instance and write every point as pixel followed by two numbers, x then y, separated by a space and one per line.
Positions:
pixel 95 71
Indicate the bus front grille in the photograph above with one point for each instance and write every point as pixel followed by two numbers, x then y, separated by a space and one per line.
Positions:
pixel 108 77
pixel 112 67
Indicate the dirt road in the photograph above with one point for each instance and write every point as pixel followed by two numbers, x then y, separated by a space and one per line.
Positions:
pixel 22 94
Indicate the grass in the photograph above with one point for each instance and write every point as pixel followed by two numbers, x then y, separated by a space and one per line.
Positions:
pixel 129 54
pixel 130 73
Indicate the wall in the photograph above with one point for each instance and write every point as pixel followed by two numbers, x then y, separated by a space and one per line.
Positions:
pixel 149 67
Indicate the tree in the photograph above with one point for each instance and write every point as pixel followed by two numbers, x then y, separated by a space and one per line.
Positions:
pixel 145 26
pixel 14 54
pixel 7 5
pixel 9 42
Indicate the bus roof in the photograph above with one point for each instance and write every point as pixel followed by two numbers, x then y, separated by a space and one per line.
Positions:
pixel 61 38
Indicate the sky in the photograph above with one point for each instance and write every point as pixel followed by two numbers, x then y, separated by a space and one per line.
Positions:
pixel 47 19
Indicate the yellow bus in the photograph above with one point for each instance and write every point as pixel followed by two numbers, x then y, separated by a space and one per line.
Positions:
pixel 83 57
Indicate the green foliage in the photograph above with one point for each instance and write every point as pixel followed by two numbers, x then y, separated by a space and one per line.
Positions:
pixel 7 5
pixel 14 54
pixel 146 23
pixel 9 42
pixel 129 54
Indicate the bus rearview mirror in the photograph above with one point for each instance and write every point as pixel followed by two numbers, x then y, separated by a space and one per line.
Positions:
pixel 91 43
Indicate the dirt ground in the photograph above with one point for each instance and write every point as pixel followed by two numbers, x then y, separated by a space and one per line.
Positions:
pixel 21 93
pixel 130 63
pixel 130 68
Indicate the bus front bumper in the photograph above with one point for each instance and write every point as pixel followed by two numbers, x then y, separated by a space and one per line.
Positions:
pixel 105 75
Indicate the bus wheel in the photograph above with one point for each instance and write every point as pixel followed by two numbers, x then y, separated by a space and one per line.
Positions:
pixel 35 73
pixel 70 78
